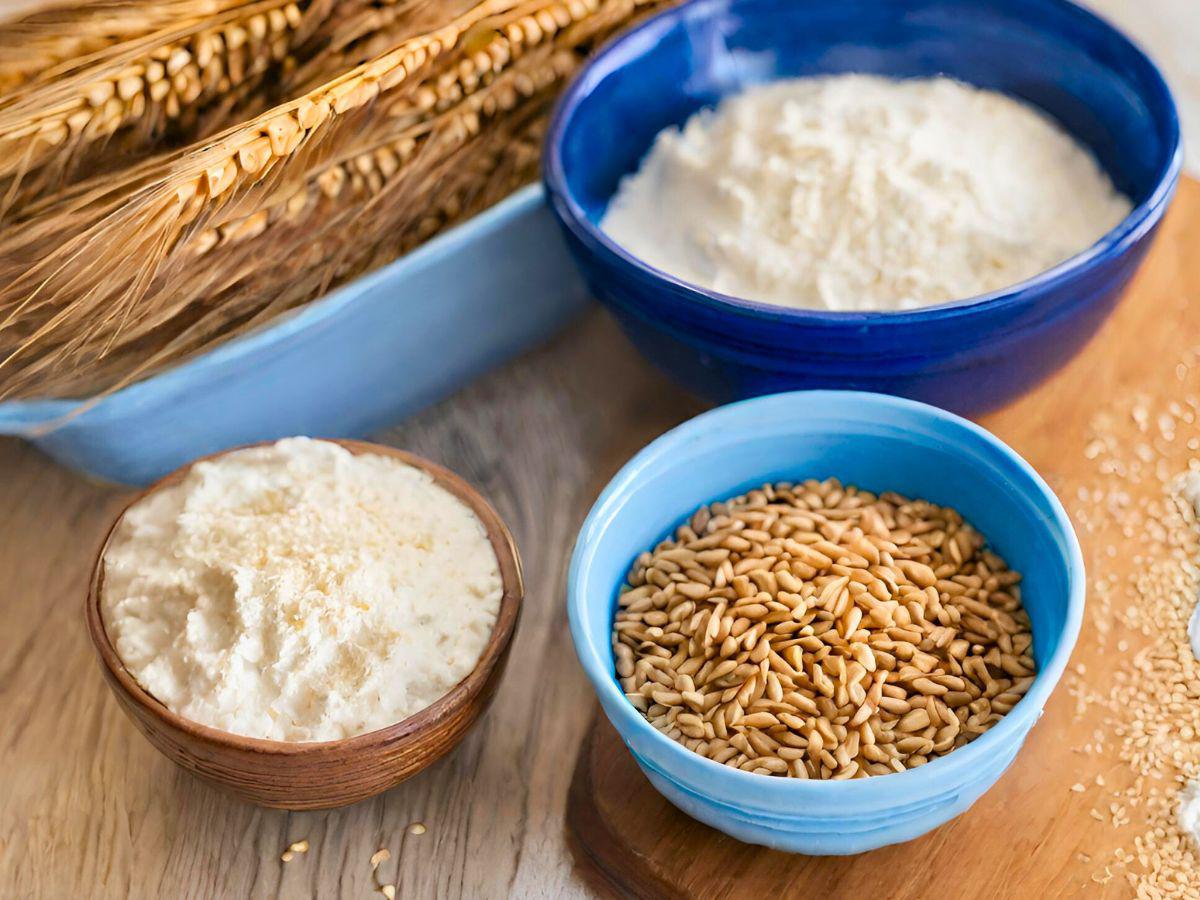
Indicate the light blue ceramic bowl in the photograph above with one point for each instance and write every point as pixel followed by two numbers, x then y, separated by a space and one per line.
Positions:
pixel 366 355
pixel 878 443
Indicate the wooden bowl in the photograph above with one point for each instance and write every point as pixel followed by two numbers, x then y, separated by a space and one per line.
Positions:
pixel 320 775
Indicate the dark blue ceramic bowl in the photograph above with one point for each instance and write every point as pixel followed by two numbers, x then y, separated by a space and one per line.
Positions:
pixel 969 355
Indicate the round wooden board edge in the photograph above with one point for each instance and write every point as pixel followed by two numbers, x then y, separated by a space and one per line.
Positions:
pixel 596 849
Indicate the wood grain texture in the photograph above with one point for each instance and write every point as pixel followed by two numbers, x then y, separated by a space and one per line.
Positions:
pixel 321 775
pixel 1031 835
pixel 85 800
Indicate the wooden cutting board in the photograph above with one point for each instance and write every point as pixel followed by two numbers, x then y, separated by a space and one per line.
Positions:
pixel 1031 835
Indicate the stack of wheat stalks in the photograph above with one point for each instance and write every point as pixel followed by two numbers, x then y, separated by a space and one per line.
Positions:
pixel 176 172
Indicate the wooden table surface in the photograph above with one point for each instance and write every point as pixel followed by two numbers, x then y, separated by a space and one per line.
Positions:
pixel 86 804
pixel 1057 822
pixel 86 801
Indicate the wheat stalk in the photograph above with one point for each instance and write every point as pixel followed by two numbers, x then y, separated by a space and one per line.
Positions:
pixel 316 245
pixel 47 42
pixel 51 130
pixel 219 237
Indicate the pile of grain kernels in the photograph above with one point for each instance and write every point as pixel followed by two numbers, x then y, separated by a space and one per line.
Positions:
pixel 1150 702
pixel 816 631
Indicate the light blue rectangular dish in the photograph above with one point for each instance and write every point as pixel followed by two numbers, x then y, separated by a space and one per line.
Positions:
pixel 370 353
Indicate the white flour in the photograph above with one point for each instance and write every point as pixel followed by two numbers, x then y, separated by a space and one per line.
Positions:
pixel 856 192
pixel 1189 489
pixel 297 592
pixel 1188 813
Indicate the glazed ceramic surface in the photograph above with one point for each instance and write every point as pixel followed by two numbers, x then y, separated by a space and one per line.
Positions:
pixel 370 353
pixel 879 443
pixel 967 356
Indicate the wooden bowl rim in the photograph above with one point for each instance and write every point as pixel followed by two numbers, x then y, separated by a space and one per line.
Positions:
pixel 470 686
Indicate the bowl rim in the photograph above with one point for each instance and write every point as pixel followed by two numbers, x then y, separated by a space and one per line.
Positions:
pixel 512 580
pixel 928 781
pixel 640 40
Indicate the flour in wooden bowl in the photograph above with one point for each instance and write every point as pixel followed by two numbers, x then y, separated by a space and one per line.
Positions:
pixel 856 192
pixel 300 592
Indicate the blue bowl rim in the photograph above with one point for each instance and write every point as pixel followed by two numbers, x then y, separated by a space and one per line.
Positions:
pixel 936 777
pixel 1111 245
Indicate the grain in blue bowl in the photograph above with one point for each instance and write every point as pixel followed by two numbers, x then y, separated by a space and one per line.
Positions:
pixel 816 631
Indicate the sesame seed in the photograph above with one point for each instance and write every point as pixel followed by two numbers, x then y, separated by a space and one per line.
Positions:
pixel 1141 596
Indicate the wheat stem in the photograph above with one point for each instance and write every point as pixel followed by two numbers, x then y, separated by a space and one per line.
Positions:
pixel 134 272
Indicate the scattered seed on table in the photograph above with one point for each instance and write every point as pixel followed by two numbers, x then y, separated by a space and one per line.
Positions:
pixel 1147 703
